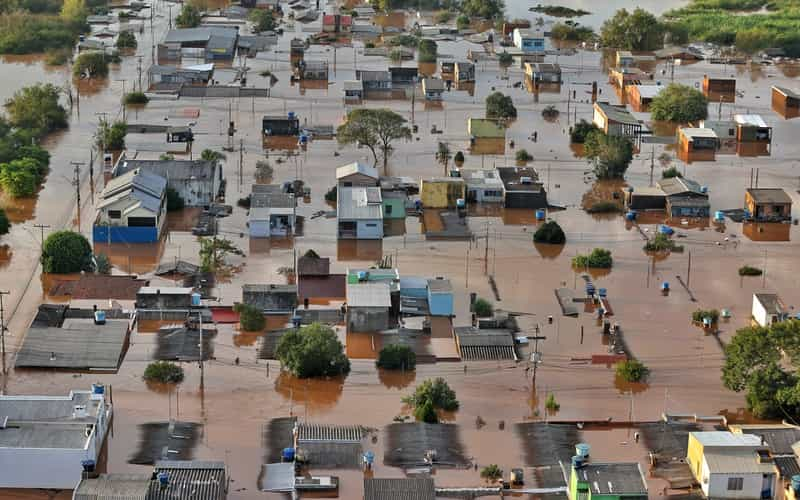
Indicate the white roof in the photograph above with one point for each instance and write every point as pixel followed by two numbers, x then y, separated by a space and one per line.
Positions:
pixel 356 168
pixel 200 67
pixel 369 294
pixel 359 203
pixel 725 438
pixel 699 132
pixel 165 290
pixel 649 91
pixel 753 120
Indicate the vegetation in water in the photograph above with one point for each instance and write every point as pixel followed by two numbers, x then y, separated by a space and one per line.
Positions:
pixel 397 357
pixel 611 154
pixel 491 473
pixel 262 20
pixel 189 16
pixel 102 264
pixel 605 207
pixel 22 177
pixel 662 243
pixel 376 129
pixel 5 224
pixel 312 351
pixel 91 65
pixel 700 314
pixel 427 51
pixel 559 11
pixel 500 106
pixel 750 271
pixel 164 372
pixel 432 394
pixel 57 57
pixel 550 232
pixel 214 252
pixel 459 157
pixel 505 59
pixel 484 9
pixel 211 155
pixel 598 258
pixel 571 31
pixel 251 318
pixel 330 195
pixel 25 32
pixel 580 131
pixel 36 109
pixel 126 40
pixel 136 98
pixel 482 308
pixel 551 404
pixel 671 172
pixel 66 252
pixel 632 370
pixel 637 30
pixel 463 22
pixel 523 156
pixel 679 103
pixel 111 136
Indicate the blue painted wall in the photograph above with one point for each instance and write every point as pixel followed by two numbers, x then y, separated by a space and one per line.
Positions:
pixel 123 234
pixel 440 303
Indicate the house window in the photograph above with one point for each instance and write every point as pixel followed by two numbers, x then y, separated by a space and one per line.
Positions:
pixel 372 225
pixel 347 184
pixel 388 210
pixel 735 483
pixel 114 214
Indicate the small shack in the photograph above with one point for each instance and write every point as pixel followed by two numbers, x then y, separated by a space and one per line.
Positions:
pixel 685 198
pixel 539 73
pixel 433 88
pixel 164 297
pixel 785 102
pixel 768 204
pixel 753 135
pixel 353 91
pixel 464 71
pixel 271 298
pixel 522 187
pixel 368 306
pixel 357 174
pixel 768 308
pixel 441 192
pixel 640 96
pixel 359 213
pixel 697 144
pixel 485 344
pixel 280 125
pixel 719 89
pixel 440 297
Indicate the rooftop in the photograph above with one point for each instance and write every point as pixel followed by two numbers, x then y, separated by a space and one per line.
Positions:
pixel 98 286
pixel 680 185
pixel 353 85
pixel 440 285
pixel 735 461
pixel 421 488
pixel 616 113
pixel 310 266
pixel 520 178
pixel 649 91
pixel 201 34
pixel 773 305
pixel 175 170
pixel 359 203
pixel 787 92
pixel 369 294
pixel 779 438
pixel 485 128
pixel 544 67
pixel 271 288
pixel 205 480
pixel 613 478
pixel 164 290
pixel 357 168
pixel 725 438
pixel 432 84
pixel 481 178
pixel 146 187
pixel 113 487
pixel 692 133
pixel 750 120
pixel 769 195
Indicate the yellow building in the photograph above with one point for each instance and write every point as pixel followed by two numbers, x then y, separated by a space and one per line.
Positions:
pixel 441 192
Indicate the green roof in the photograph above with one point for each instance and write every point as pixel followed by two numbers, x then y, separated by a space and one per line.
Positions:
pixel 482 127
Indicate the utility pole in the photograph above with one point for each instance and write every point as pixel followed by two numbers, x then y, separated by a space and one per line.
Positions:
pixel 139 69
pixel 76 181
pixel 3 333
pixel 486 252
pixel 689 270
pixel 536 356
pixel 202 370
pixel 652 163
pixel 241 161
pixel 123 99
pixel 466 285
pixel 170 16
pixel 42 227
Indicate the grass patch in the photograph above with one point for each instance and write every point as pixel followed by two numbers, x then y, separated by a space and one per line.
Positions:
pixel 750 271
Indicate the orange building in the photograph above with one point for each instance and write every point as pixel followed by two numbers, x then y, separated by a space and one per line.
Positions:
pixel 719 89
pixel 785 102
pixel 697 144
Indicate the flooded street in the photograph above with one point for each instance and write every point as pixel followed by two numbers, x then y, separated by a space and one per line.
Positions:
pixel 236 400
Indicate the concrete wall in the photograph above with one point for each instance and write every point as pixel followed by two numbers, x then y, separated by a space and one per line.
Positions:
pixel 717 486
pixel 369 229
pixel 759 313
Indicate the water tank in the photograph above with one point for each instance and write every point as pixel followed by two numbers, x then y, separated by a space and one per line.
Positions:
pixel 663 229
pixel 291 115
pixel 362 275
pixel 99 317
pixel 665 285
pixel 196 299
pixel 163 479
pixel 630 215
pixel 303 139
pixel 461 203
pixel 582 450
pixel 369 457
pixel 719 216
pixel 98 389
pixel 540 214
pixel 578 461
pixel 288 454
pixel 703 189
pixel 602 292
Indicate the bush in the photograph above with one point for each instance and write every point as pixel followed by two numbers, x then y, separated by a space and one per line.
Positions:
pixel 5 224
pixel 670 173
pixel 482 308
pixel 459 157
pixel 20 178
pixel 164 372
pixel 679 103
pixel 57 57
pixel 505 59
pixel 26 33
pixel 750 271
pixel 264 170
pixel 404 41
pixel 91 64
pixel 211 155
pixel 571 32
pixel 580 131
pixel 462 22
pixel 174 200
pixel 66 252
pixel 550 113
pixel 700 314
pixel 427 51
pixel 599 258
pixel 313 351
pixel 500 107
pixel 330 195
pixel 111 136
pixel 551 404
pixel 604 207
pixel 396 55
pixel 435 391
pixel 662 243
pixel 637 30
pixel 611 154
pixel 632 370
pixel 523 155
pixel 426 413
pixel 37 109
pixel 397 357
pixel 126 40
pixel 491 473
pixel 443 17
pixel 262 20
pixel 484 9
pixel 251 318
pixel 550 232
pixel 189 17
pixel 136 98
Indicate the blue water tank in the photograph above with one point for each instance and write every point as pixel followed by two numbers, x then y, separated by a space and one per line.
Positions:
pixel 602 292
pixel 196 299
pixel 796 482
pixel 578 461
pixel 719 216
pixel 291 115
pixel 369 457
pixel 665 285
pixel 163 479
pixel 703 189
pixel 362 275
pixel 461 203
pixel 630 215
pixel 540 214
pixel 582 450
pixel 99 317
pixel 303 139
pixel 288 454
pixel 98 389
pixel 665 229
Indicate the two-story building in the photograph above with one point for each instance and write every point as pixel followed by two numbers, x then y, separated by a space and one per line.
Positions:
pixel 132 209
pixel 529 41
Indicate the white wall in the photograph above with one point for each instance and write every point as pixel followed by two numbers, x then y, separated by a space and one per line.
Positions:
pixel 718 486
pixel 759 313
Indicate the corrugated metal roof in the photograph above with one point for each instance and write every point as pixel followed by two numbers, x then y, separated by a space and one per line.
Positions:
pixel 750 120
pixel 691 133
pixel 201 34
pixel 772 304
pixel 421 488
pixel 359 203
pixel 81 345
pixel 616 113
pixel 113 487
pixel 680 185
pixel 170 169
pixel 145 187
pixel 198 480
pixel 769 195
pixel 278 477
pixel 369 294
pixel 614 479
pixel 725 438
pixel 735 461
pixel 357 168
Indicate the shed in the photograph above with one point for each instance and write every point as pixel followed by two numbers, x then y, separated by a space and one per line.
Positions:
pixel 768 204
pixel 697 144
pixel 485 344
pixel 270 298
pixel 640 96
pixel 357 174
pixel 785 102
pixel 440 297
pixel 616 121
pixel 288 125
pixel 768 308
pixel 719 89
pixel 753 134
pixel 546 73
pixel 645 198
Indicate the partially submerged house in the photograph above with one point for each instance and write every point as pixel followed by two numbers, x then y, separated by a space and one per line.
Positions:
pixel 164 297
pixel 176 75
pixel 433 88
pixel 404 76
pixel 280 125
pixel 275 219
pixel 206 42
pixel 767 204
pixel 312 70
pixel 529 41
pixel 440 297
pixel 464 71
pixel 697 144
pixel 441 192
pixel 616 121
pixel 394 204
pixel 197 182
pixel 483 186
pixel 357 174
pixel 369 305
pixel 684 198
pixel 768 308
pixel 753 135
pixel 336 23
pixel 271 299
pixel 359 213
pixel 47 441
pixel 543 73
pixel 522 187
pixel 623 77
pixel 376 84
pixel 640 96
pixel 606 481
pixel 719 89
pixel 353 91
pixel 132 209
pixel 785 102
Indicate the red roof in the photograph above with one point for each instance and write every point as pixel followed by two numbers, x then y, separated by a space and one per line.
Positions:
pixel 346 20
pixel 329 19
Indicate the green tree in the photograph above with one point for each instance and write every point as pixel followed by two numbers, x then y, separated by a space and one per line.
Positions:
pixel 750 271
pixel 126 40
pixel 262 20
pixel 20 178
pixel 5 224
pixel 751 350
pixel 551 404
pixel 505 59
pixel 523 156
pixel 632 370
pixel 189 17
pixel 426 413
pixel 214 251
pixel 37 108
pixel 482 308
pixel 485 9
pixel 679 103
pixel 211 155
pixel 111 136
pixel 74 11
pixel 611 154
pixel 251 318
pixel 581 131
pixel 397 357
pixel 102 264
pixel 374 128
pixel 491 473
pixel 637 30
pixel 136 98
pixel 462 22
pixel 571 31
pixel 313 351
pixel 459 157
pixel 66 252
pixel 174 200
pixel 500 106
pixel 164 372
pixel 670 173
pixel 437 392
pixel 598 258
pixel 427 51
pixel 550 232
pixel 91 64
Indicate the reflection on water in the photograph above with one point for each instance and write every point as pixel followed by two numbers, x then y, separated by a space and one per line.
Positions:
pixel 183 220
pixel 136 258
pixel 362 345
pixel 396 19
pixel 396 379
pixel 315 395
pixel 370 250
pixel 548 251
pixel 766 231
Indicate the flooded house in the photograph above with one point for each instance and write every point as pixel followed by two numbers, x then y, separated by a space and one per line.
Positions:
pixel 697 144
pixel 394 204
pixel 767 309
pixel 369 305
pixel 441 192
pixel 280 125
pixel 433 88
pixel 785 102
pixel 271 298
pixel 483 186
pixel 359 213
pixel 767 204
pixel 782 440
pixel 606 481
pixel 645 198
pixel 624 59
pixel 753 135
pixel 529 41
pixel 206 42
pixel 132 209
pixel 719 89
pixel 447 67
pixel 640 96
pixel 522 188
pixel 353 91
pixel 510 26
pixel 616 121
pixel 357 174
pixel 179 134
pixel 336 23
pixel 440 297
pixel 543 73
pixel 48 441
pixel 312 70
pixel 684 198
pixel 723 462
pixel 464 71
pixel 404 77
pixel 160 76
pixel 623 77
pixel 164 297
pixel 276 218
pixel 297 50
pixel 197 182
pixel 725 131
pixel 377 84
